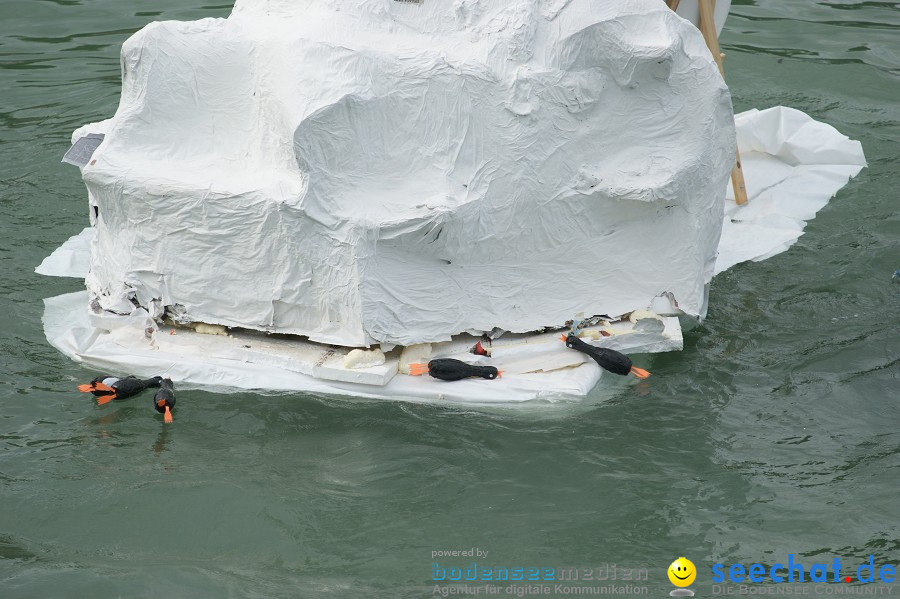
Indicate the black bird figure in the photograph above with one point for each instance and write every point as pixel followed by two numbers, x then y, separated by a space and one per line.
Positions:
pixel 608 359
pixel 448 369
pixel 107 388
pixel 164 399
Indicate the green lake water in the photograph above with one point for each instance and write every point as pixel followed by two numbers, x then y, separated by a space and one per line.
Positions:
pixel 776 431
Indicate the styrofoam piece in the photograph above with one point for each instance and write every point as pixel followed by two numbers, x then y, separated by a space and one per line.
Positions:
pixel 213 363
pixel 295 355
pixel 137 331
pixel 331 367
pixel 531 362
pixel 71 259
pixel 399 172
pixel 364 358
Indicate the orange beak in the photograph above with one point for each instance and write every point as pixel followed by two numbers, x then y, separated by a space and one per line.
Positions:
pixel 90 387
pixel 168 417
pixel 418 369
pixel 640 372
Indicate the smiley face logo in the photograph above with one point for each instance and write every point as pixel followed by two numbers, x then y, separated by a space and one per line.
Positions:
pixel 682 572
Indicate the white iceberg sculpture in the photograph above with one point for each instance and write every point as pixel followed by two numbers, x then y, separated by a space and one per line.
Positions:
pixel 401 171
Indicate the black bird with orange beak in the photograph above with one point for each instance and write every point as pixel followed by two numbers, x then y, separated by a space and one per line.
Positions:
pixel 448 369
pixel 608 359
pixel 107 388
pixel 164 399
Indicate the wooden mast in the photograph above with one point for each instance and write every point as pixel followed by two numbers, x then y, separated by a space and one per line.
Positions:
pixel 708 29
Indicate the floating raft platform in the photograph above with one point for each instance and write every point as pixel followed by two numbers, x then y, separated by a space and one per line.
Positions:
pixel 535 367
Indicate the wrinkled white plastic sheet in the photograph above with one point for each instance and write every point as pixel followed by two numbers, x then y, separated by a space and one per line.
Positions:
pixel 793 165
pixel 71 259
pixel 400 172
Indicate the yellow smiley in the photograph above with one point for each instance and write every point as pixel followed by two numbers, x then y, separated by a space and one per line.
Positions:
pixel 682 572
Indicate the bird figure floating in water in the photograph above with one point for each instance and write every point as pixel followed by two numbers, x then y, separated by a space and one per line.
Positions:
pixel 164 399
pixel 448 369
pixel 107 388
pixel 608 359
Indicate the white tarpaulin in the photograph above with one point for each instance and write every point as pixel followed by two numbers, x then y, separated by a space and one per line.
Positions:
pixel 386 171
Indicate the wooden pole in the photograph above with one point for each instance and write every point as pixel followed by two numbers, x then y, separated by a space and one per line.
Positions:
pixel 708 29
pixel 673 4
